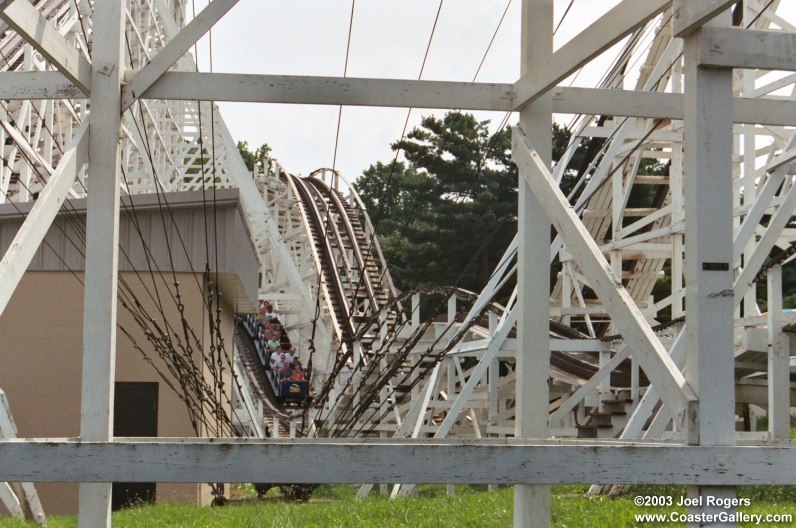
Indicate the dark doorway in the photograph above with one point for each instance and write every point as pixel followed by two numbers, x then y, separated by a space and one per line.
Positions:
pixel 135 413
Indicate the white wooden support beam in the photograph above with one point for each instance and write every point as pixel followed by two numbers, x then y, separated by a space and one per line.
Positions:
pixel 402 93
pixel 532 312
pixel 24 144
pixel 625 315
pixel 102 250
pixel 631 103
pixel 755 213
pixel 643 411
pixel 8 429
pixel 495 343
pixel 26 20
pixel 728 47
pixel 590 385
pixel 175 49
pixel 778 362
pixel 20 498
pixel 431 382
pixel 259 216
pixel 10 501
pixel 612 27
pixel 708 148
pixel 637 103
pixel 752 263
pixel 688 16
pixel 532 393
pixel 419 419
pixel 27 240
pixel 37 85
pixel 507 461
pixel 330 91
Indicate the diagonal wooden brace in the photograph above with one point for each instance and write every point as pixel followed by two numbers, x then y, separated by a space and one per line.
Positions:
pixel 612 27
pixel 629 320
pixel 41 216
pixel 26 20
pixel 175 49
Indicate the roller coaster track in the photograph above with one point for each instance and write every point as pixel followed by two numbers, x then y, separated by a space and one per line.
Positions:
pixel 362 305
pixel 359 306
pixel 348 264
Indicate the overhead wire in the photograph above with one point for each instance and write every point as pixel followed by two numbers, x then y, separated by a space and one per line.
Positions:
pixel 338 363
pixel 509 113
pixel 338 358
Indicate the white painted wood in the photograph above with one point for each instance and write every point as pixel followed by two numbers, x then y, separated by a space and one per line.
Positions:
pixel 175 49
pixel 34 28
pixel 532 503
pixel 762 201
pixel 350 91
pixel 27 240
pixel 746 48
pixel 590 385
pixel 259 216
pixel 625 315
pixel 37 85
pixel 636 103
pixel 102 249
pixel 10 501
pixel 644 409
pixel 495 344
pixel 778 362
pixel 439 94
pixel 776 224
pixel 708 204
pixel 708 148
pixel 29 502
pixel 505 461
pixel 688 16
pixel 424 399
pixel 612 27
pixel 20 498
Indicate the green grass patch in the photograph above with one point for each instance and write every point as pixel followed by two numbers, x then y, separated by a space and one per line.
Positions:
pixel 471 506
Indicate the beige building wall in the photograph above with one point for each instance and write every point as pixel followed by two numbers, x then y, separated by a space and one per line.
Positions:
pixel 41 356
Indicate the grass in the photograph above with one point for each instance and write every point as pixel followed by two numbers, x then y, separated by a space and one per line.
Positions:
pixel 471 506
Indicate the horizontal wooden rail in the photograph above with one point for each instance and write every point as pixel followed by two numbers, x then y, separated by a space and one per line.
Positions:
pixel 437 461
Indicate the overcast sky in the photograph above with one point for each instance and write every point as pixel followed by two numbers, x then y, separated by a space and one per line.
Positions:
pixel 308 37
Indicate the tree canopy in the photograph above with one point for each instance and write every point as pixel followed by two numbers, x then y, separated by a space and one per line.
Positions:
pixel 249 157
pixel 452 203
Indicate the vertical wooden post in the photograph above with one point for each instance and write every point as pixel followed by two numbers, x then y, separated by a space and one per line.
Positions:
pixel 102 249
pixel 708 145
pixel 532 503
pixel 778 361
pixel 415 315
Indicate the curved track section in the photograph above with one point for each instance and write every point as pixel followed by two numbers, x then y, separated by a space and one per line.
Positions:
pixel 381 357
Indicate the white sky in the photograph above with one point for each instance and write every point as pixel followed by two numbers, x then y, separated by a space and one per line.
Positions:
pixel 308 37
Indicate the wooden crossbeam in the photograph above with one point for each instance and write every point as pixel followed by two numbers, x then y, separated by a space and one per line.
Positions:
pixel 688 16
pixel 26 20
pixel 403 93
pixel 731 47
pixel 175 49
pixel 437 461
pixel 330 91
pixel 609 29
pixel 37 85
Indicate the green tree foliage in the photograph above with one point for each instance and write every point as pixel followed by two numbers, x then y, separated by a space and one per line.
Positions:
pixel 456 192
pixel 249 157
